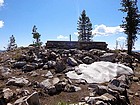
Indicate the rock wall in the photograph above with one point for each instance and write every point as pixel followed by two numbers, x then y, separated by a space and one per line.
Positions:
pixel 76 44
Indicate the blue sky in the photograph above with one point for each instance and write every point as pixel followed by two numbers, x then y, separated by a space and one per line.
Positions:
pixel 57 19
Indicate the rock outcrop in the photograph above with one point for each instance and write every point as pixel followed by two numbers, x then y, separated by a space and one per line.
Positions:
pixel 33 74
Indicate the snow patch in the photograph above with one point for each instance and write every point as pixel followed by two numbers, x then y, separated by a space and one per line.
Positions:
pixel 99 72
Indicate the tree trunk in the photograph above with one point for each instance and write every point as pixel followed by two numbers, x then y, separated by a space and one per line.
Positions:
pixel 130 45
pixel 129 51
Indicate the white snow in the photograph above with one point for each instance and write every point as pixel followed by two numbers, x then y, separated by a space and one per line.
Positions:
pixel 99 72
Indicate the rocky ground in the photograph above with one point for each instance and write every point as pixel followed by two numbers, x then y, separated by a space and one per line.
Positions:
pixel 30 76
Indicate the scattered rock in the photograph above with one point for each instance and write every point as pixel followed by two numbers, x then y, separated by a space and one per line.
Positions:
pixel 17 81
pixel 28 68
pixel 77 88
pixel 108 98
pixel 53 56
pixel 22 92
pixel 115 85
pixel 108 83
pixel 32 99
pixel 55 80
pixel 60 86
pixel 51 64
pixel 21 101
pixel 5 71
pixel 60 66
pixel 137 94
pixel 46 83
pixel 100 103
pixel 7 94
pixel 71 88
pixel 19 64
pixel 110 57
pixel 81 81
pixel 88 60
pixel 49 74
pixel 136 79
pixel 72 62
pixel 34 74
pixel 3 101
pixel 9 104
pixel 52 90
pixel 45 67
pixel 101 90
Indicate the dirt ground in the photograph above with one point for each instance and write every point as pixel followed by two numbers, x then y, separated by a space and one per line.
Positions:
pixel 135 89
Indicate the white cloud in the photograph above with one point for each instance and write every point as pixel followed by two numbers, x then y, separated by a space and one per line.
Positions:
pixel 76 33
pixel 1 24
pixel 121 39
pixel 105 30
pixel 62 37
pixel 1 3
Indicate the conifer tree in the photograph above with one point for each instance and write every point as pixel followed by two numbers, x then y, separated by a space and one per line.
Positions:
pixel 131 22
pixel 36 36
pixel 84 28
pixel 12 45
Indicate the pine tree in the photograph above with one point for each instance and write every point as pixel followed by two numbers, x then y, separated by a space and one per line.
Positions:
pixel 84 28
pixel 12 45
pixel 131 22
pixel 36 36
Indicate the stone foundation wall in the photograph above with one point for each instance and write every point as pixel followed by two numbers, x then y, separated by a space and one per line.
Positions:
pixel 76 44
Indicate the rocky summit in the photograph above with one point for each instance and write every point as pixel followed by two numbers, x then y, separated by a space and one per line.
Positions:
pixel 39 76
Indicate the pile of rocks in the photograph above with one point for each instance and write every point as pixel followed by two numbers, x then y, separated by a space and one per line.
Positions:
pixel 50 67
pixel 114 93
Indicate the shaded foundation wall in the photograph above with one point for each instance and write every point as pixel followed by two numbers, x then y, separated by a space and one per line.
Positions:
pixel 76 44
